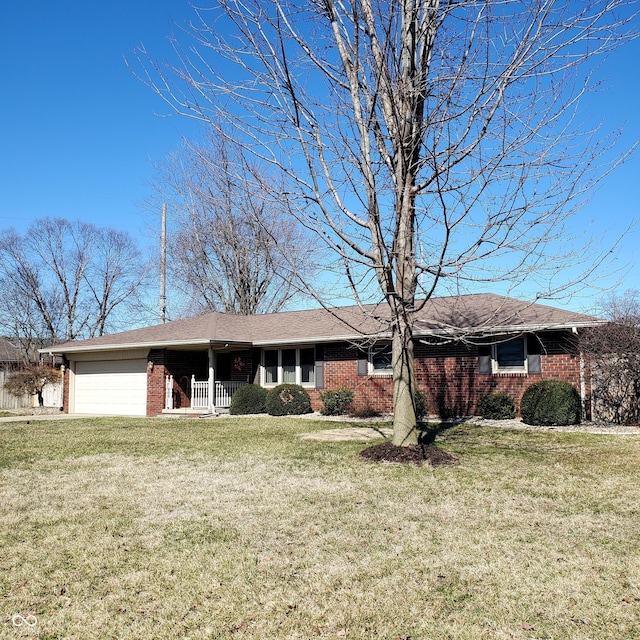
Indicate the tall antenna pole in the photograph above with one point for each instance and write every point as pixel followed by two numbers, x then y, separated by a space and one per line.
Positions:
pixel 163 266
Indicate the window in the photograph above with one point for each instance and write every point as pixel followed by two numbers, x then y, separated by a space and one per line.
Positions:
pixel 271 367
pixel 508 356
pixel 291 366
pixel 380 359
pixel 307 366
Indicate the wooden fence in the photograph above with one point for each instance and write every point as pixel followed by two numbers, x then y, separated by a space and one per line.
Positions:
pixel 52 396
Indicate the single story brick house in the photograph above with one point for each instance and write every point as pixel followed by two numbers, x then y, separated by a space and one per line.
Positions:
pixel 465 347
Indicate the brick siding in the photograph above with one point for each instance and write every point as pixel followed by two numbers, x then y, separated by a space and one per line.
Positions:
pixel 449 375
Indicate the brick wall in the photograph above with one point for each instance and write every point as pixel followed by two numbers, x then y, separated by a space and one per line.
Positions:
pixel 341 370
pixel 65 388
pixel 156 382
pixel 448 375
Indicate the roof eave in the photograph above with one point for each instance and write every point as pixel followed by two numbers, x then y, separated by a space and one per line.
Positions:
pixel 142 345
pixel 506 329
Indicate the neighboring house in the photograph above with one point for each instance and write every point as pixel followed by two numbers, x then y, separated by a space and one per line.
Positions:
pixel 465 347
pixel 10 357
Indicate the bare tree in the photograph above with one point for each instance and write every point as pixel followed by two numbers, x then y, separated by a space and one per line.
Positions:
pixel 430 143
pixel 613 351
pixel 64 280
pixel 231 246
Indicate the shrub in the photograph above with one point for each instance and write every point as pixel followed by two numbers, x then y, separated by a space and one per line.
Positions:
pixel 420 400
pixel 497 406
pixel 32 380
pixel 250 398
pixel 336 403
pixel 288 399
pixel 550 402
pixel 367 411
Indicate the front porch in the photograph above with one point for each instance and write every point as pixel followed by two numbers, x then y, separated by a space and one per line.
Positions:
pixel 204 396
pixel 194 381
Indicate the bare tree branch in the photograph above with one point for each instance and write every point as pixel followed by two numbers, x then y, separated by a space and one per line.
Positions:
pixel 66 280
pixel 232 247
pixel 432 144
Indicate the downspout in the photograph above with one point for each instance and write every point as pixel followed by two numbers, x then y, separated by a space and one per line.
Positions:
pixel 583 384
pixel 583 389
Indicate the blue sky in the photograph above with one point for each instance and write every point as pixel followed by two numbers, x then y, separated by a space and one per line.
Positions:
pixel 79 133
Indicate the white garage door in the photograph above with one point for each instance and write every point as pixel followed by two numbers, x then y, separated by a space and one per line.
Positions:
pixel 111 387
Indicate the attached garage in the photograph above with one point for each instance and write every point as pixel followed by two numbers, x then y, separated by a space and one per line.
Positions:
pixel 110 387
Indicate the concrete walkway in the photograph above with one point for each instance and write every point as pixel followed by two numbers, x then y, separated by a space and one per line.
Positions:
pixel 38 417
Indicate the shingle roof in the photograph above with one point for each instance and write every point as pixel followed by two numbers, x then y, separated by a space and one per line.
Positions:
pixel 9 352
pixel 475 314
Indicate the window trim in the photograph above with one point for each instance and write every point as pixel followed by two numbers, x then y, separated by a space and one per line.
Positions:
pixel 280 367
pixel 380 346
pixel 495 365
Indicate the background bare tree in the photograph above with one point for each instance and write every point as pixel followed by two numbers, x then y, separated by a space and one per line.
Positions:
pixel 231 247
pixel 432 144
pixel 64 280
pixel 613 351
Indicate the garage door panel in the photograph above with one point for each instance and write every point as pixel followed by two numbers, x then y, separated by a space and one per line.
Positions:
pixel 111 387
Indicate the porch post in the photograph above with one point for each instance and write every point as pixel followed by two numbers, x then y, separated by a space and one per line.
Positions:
pixel 211 383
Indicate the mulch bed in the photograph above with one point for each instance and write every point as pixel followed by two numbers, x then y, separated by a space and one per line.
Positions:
pixel 413 454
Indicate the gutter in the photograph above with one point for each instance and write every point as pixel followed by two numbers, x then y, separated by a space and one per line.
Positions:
pixel 477 332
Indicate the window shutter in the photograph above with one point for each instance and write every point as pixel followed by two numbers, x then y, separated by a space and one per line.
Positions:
pixel 363 364
pixel 484 359
pixel 255 365
pixel 534 364
pixel 319 366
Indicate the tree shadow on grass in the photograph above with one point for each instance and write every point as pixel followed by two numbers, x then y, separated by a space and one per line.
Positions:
pixel 429 431
pixel 424 452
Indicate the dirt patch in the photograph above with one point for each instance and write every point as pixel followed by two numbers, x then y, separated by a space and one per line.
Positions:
pixel 413 454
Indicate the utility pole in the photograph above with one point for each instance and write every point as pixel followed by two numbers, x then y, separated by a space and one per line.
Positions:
pixel 163 266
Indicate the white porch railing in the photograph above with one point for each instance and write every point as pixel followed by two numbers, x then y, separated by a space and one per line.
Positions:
pixel 223 390
pixel 168 392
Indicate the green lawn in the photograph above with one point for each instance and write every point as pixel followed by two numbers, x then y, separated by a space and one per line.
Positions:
pixel 237 528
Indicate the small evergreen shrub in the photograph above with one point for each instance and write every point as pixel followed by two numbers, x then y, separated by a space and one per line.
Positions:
pixel 550 402
pixel 420 400
pixel 287 400
pixel 250 398
pixel 336 403
pixel 497 406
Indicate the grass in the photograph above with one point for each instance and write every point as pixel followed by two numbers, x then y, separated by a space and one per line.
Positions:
pixel 236 528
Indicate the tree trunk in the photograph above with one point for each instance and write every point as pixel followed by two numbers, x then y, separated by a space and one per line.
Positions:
pixel 405 431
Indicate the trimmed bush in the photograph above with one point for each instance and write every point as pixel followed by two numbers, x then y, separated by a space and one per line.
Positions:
pixel 336 403
pixel 420 400
pixel 497 406
pixel 250 398
pixel 288 400
pixel 551 402
pixel 364 412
